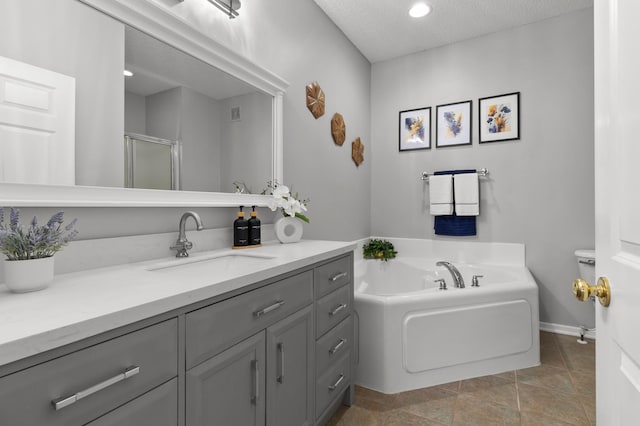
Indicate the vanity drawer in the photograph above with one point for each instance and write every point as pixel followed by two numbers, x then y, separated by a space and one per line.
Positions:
pixel 333 345
pixel 158 407
pixel 28 397
pixel 332 384
pixel 214 328
pixel 331 276
pixel 332 309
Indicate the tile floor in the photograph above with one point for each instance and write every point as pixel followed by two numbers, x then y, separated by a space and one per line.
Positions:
pixel 561 391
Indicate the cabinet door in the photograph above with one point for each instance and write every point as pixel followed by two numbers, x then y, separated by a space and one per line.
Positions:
pixel 229 389
pixel 290 345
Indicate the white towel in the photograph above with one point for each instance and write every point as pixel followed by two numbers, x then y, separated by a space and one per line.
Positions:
pixel 467 194
pixel 440 195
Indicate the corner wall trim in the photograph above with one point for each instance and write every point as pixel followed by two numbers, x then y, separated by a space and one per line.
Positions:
pixel 566 329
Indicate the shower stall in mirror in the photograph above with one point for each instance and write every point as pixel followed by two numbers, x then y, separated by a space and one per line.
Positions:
pixel 152 163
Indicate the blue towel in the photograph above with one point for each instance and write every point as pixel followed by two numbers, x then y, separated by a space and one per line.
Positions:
pixel 459 226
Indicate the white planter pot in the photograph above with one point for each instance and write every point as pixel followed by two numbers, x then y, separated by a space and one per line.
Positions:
pixel 22 276
pixel 288 229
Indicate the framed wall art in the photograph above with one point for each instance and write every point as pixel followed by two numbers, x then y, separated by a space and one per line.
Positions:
pixel 415 129
pixel 499 117
pixel 453 124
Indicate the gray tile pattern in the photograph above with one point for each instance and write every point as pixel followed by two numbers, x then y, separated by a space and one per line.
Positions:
pixel 544 395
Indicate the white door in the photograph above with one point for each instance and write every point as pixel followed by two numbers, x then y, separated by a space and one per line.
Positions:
pixel 617 177
pixel 37 125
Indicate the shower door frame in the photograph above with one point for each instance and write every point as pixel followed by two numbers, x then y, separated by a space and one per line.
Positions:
pixel 130 158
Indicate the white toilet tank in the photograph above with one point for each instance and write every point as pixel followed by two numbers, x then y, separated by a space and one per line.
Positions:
pixel 587 265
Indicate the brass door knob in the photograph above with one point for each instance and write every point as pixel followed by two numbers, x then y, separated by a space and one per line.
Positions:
pixel 582 290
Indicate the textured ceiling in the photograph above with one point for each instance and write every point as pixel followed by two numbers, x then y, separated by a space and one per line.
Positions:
pixel 382 29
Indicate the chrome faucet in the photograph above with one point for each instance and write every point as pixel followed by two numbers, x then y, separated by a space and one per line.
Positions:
pixel 458 281
pixel 182 244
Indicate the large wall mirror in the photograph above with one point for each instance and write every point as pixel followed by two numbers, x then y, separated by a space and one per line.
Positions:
pixel 192 125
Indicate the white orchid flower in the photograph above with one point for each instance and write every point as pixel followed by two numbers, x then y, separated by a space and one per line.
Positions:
pixel 287 203
pixel 293 207
pixel 281 191
pixel 273 204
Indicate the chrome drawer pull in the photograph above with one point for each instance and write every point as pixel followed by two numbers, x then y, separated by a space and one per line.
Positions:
pixel 337 309
pixel 256 381
pixel 280 378
pixel 337 347
pixel 336 277
pixel 268 309
pixel 65 402
pixel 337 383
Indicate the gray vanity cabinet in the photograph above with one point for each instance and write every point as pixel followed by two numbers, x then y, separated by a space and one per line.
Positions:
pixel 266 377
pixel 290 349
pixel 236 386
pixel 277 354
pixel 333 288
pixel 229 389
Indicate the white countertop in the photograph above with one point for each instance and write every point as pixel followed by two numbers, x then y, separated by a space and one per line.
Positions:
pixel 82 304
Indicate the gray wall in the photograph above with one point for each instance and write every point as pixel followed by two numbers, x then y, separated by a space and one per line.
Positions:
pixel 163 114
pixel 297 41
pixel 541 190
pixel 135 120
pixel 200 136
pixel 189 117
pixel 246 144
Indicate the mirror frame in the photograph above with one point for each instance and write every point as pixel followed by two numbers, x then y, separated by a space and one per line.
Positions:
pixel 160 23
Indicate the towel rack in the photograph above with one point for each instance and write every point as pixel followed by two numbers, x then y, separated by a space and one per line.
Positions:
pixel 482 173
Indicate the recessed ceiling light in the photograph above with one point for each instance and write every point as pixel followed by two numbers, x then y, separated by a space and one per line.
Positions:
pixel 419 10
pixel 127 73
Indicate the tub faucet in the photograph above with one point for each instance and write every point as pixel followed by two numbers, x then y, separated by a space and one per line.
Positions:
pixel 458 281
pixel 182 244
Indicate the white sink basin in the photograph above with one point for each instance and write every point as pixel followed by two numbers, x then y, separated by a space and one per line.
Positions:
pixel 215 261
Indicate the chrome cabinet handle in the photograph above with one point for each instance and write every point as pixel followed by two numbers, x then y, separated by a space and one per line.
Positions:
pixel 337 383
pixel 280 378
pixel 337 309
pixel 256 381
pixel 337 347
pixel 72 399
pixel 268 309
pixel 336 277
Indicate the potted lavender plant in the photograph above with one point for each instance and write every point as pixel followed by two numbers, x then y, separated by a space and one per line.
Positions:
pixel 29 249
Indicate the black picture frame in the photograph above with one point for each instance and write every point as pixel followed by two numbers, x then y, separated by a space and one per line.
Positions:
pixel 414 129
pixel 499 118
pixel 454 124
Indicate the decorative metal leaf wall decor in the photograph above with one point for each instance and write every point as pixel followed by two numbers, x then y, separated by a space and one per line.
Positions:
pixel 357 151
pixel 315 99
pixel 338 129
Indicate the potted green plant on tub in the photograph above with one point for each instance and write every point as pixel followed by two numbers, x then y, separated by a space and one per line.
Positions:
pixel 379 249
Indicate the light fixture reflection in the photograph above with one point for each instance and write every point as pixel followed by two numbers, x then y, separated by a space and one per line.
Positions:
pixel 127 73
pixel 419 10
pixel 230 7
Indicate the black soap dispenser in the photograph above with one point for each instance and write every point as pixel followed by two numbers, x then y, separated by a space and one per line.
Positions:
pixel 240 230
pixel 254 228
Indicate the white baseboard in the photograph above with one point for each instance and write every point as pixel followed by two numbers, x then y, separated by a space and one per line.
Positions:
pixel 566 329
